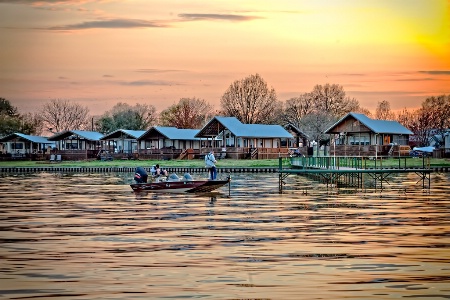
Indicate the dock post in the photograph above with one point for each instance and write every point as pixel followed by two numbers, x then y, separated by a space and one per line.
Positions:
pixel 280 174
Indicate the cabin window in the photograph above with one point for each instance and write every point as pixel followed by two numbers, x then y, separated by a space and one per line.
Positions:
pixel 17 146
pixel 71 145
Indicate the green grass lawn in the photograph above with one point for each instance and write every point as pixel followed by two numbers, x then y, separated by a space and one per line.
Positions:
pixel 408 162
pixel 390 162
pixel 147 163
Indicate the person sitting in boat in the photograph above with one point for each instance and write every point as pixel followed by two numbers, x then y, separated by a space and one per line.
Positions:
pixel 160 172
pixel 140 175
pixel 153 170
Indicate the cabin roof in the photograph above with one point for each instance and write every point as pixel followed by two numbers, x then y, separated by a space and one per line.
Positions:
pixel 171 133
pixel 88 135
pixel 30 138
pixel 119 133
pixel 215 126
pixel 377 126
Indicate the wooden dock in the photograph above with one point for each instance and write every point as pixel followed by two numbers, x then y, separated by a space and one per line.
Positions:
pixel 350 171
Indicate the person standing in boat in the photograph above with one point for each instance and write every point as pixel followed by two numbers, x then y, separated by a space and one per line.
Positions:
pixel 140 175
pixel 210 162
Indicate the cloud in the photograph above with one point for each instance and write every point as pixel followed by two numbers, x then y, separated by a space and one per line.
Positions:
pixel 436 72
pixel 107 76
pixel 157 71
pixel 416 79
pixel 112 23
pixel 148 82
pixel 219 17
pixel 138 23
pixel 351 74
pixel 46 2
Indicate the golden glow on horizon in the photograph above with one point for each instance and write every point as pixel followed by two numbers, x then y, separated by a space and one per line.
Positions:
pixel 377 49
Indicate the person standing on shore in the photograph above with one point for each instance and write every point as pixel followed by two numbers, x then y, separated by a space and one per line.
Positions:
pixel 210 162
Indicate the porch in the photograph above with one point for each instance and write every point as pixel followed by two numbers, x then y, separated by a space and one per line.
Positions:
pixel 219 152
pixel 369 150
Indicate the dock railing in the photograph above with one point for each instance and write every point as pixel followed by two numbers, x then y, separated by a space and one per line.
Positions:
pixel 359 163
pixel 350 171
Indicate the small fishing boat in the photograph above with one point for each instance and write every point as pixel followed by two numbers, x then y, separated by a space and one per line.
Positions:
pixel 174 184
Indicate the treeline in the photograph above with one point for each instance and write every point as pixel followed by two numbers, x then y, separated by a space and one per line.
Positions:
pixel 249 99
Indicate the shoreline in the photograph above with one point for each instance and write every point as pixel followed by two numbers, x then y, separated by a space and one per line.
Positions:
pixel 132 169
pixel 436 169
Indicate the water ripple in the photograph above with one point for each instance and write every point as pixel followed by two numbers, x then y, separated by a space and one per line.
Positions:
pixel 88 236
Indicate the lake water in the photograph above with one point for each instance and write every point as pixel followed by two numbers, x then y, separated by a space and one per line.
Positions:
pixel 88 236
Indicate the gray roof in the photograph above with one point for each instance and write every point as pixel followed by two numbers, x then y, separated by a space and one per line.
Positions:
pixel 134 134
pixel 232 123
pixel 250 130
pixel 377 126
pixel 88 135
pixel 31 138
pixel 173 133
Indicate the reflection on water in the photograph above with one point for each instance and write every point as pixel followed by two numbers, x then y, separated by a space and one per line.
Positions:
pixel 88 236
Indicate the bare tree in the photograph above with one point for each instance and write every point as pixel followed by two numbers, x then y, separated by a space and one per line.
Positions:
pixel 297 108
pixel 437 112
pixel 432 118
pixel 354 106
pixel 187 113
pixel 331 99
pixel 420 125
pixel 314 112
pixel 406 118
pixel 250 100
pixel 383 111
pixel 314 125
pixel 59 115
pixel 362 110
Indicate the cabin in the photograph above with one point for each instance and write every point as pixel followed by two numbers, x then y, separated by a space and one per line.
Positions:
pixel 358 135
pixel 441 144
pixel 161 142
pixel 228 135
pixel 122 142
pixel 301 142
pixel 23 146
pixel 301 139
pixel 77 144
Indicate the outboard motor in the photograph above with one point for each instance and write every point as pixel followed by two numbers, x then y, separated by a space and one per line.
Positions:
pixel 140 176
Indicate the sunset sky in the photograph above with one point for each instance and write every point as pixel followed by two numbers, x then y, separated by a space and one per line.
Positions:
pixel 98 53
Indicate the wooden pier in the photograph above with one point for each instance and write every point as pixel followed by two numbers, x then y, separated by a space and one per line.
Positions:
pixel 351 171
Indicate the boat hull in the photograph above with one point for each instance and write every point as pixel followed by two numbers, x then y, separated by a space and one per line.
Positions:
pixel 193 186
